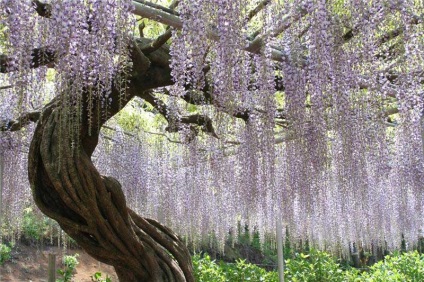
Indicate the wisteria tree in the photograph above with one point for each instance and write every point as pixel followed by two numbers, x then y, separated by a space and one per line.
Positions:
pixel 307 109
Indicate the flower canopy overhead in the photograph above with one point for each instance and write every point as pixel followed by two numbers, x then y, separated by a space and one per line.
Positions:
pixel 244 110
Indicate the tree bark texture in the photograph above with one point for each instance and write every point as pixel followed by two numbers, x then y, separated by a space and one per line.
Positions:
pixel 91 208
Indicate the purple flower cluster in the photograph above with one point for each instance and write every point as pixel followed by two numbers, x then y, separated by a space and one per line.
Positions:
pixel 340 159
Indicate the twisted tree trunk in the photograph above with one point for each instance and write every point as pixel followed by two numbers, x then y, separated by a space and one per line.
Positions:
pixel 91 208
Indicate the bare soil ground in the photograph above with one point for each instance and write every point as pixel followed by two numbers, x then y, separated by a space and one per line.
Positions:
pixel 30 263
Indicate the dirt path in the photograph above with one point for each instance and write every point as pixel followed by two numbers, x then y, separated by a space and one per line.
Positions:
pixel 31 263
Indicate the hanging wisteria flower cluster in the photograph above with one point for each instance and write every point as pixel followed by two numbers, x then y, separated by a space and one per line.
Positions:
pixel 339 179
pixel 88 40
pixel 317 111
pixel 213 34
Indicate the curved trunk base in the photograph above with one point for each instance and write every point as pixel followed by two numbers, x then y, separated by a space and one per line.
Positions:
pixel 92 208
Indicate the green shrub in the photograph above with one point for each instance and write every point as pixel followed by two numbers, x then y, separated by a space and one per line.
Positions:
pixel 243 271
pixel 206 270
pixel 314 267
pixel 5 251
pixel 405 267
pixel 70 263
pixel 97 277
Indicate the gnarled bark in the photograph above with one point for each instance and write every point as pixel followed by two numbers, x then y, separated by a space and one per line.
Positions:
pixel 91 208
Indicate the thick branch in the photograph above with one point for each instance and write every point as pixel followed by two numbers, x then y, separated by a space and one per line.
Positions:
pixel 174 4
pixel 257 9
pixel 6 87
pixel 385 37
pixel 255 45
pixel 174 21
pixel 203 121
pixel 169 17
pixel 158 42
pixel 43 56
pixel 163 38
pixel 169 10
pixel 398 31
pixel 43 9
pixel 390 111
pixel 175 124
pixel 20 122
pixel 140 62
pixel 158 15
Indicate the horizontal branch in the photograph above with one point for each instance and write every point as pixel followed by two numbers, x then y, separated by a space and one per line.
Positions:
pixel 6 87
pixel 163 135
pixel 174 21
pixel 159 7
pixel 169 17
pixel 390 111
pixel 175 124
pixel 20 122
pixel 287 21
pixel 257 9
pixel 43 56
pixel 201 120
pixel 192 97
pixel 135 136
pixel 157 15
pixel 385 37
